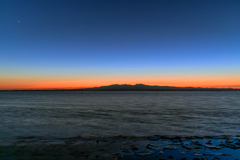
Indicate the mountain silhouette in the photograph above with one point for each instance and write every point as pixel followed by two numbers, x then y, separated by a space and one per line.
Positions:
pixel 143 87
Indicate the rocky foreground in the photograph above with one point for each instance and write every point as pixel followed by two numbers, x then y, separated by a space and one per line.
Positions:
pixel 120 147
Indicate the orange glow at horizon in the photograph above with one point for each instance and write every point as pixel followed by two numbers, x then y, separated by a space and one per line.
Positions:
pixel 89 83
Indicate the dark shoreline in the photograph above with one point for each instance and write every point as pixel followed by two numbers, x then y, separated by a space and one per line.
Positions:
pixel 125 147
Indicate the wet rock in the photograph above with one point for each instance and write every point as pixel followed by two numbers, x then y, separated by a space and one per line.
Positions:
pixel 208 154
pixel 150 146
pixel 116 153
pixel 153 138
pixel 190 137
pixel 133 147
pixel 213 147
pixel 170 147
pixel 195 142
pixel 229 141
pixel 177 137
pixel 162 159
pixel 198 137
pixel 209 142
pixel 125 150
pixel 198 154
pixel 183 158
pixel 144 153
pixel 216 158
pixel 160 152
pixel 237 143
pixel 224 154
pixel 186 146
pixel 234 147
pixel 120 156
pixel 170 157
pixel 204 159
pixel 97 156
pixel 196 159
pixel 85 154
pixel 169 137
pixel 197 147
pixel 210 137
pixel 198 144
pixel 25 137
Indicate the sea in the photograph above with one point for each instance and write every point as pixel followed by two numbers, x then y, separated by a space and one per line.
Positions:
pixel 112 113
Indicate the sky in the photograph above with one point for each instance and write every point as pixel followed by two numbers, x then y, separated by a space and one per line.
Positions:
pixel 50 44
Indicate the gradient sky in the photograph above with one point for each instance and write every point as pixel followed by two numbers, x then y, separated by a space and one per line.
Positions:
pixel 86 43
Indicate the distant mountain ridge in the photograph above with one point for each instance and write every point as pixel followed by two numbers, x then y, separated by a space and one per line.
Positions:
pixel 143 87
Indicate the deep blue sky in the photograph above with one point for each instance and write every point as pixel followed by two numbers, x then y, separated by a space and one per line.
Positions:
pixel 106 37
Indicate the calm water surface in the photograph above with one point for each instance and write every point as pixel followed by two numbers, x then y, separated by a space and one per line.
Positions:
pixel 102 114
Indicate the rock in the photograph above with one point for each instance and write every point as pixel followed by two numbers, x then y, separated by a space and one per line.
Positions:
pixel 85 154
pixel 116 153
pixel 229 141
pixel 209 137
pixel 170 147
pixel 209 142
pixel 160 152
pixel 153 138
pixel 162 159
pixel 120 156
pixel 237 143
pixel 169 137
pixel 224 154
pixel 213 147
pixel 133 147
pixel 149 146
pixel 126 150
pixel 208 154
pixel 177 137
pixel 186 146
pixel 234 147
pixel 204 159
pixel 170 157
pixel 198 154
pixel 183 158
pixel 195 142
pixel 198 137
pixel 197 147
pixel 144 153
pixel 196 159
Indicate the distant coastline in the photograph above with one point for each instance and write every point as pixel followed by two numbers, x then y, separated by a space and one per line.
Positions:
pixel 136 87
